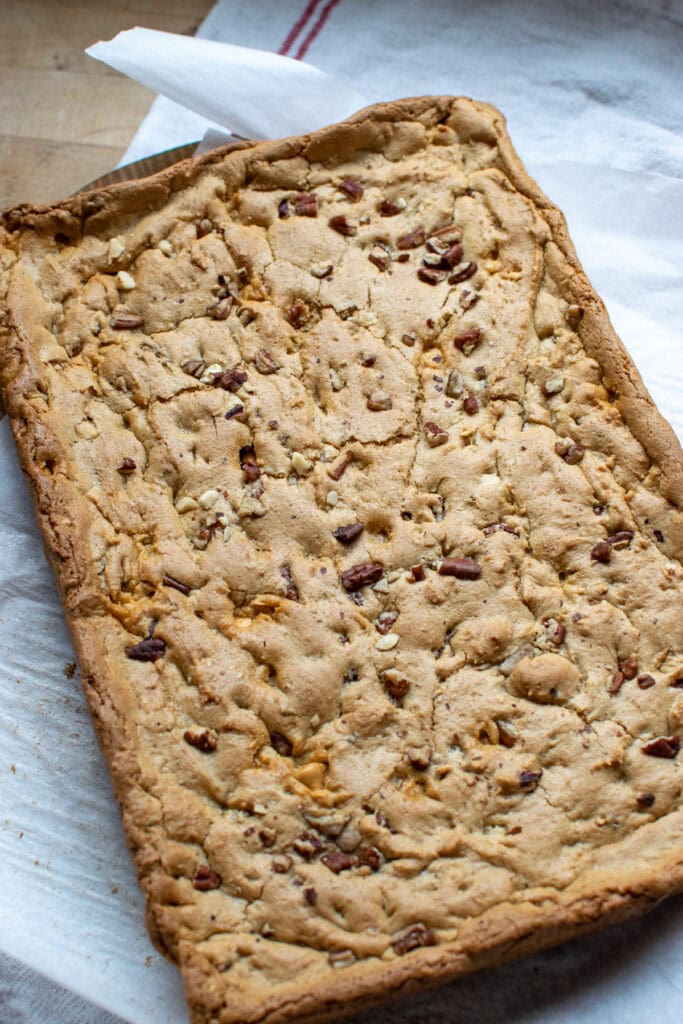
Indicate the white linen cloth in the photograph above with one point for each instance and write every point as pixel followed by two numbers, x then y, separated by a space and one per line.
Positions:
pixel 592 95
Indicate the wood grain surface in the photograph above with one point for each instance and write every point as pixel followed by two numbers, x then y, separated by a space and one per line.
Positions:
pixel 64 117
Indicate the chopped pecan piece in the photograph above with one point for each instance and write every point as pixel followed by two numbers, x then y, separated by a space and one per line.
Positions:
pixel 371 858
pixel 663 746
pixel 148 649
pixel 434 434
pixel 570 451
pixel 384 622
pixel 307 845
pixel 468 340
pixel 337 471
pixel 559 635
pixel 125 322
pixel 265 363
pixel 379 401
pixel 629 668
pixel 529 780
pixel 311 896
pixel 645 681
pixel 659 536
pixel 337 861
pixel 281 744
pixel 281 863
pixel 235 413
pixel 470 404
pixel 454 385
pixel 495 527
pixel 461 568
pixel 395 685
pixel 616 682
pixel 451 256
pixel 297 314
pixel 601 552
pixel 221 309
pixel 418 935
pixel 267 837
pixel 291 592
pixel 305 204
pixel 283 209
pixel 127 467
pixel 204 741
pixel 194 367
pixel 387 208
pixel 469 270
pixel 620 539
pixel 409 339
pixel 380 257
pixel 205 878
pixel 250 467
pixel 170 581
pixel 361 575
pixel 342 226
pixel 347 534
pixel 645 799
pixel 351 188
pixel 341 958
pixel 231 380
pixel 430 276
pixel 412 240
pixel 418 572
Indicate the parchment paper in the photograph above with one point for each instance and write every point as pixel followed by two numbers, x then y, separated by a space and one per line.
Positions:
pixel 593 105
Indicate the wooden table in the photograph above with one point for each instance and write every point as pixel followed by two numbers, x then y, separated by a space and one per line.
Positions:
pixel 64 117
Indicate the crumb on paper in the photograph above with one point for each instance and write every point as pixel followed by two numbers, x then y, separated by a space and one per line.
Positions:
pixel 69 669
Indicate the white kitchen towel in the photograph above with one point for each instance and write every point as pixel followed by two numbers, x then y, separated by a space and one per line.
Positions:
pixel 592 94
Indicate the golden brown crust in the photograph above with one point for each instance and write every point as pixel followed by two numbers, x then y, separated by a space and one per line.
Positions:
pixel 564 448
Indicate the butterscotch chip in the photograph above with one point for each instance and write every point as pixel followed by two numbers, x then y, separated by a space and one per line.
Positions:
pixel 349 760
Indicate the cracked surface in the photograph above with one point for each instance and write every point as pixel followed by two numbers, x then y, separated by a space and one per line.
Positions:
pixel 332 787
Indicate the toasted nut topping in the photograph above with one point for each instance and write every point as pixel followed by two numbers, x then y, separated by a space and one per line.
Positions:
pixel 430 276
pixel 205 879
pixel 204 741
pixel 194 367
pixel 601 552
pixel 574 315
pixel 663 746
pixel 553 386
pixel 305 204
pixel 454 385
pixel 529 780
pixel 185 504
pixel 148 649
pixel 221 309
pixel 283 209
pixel 170 581
pixel 230 380
pixel 388 642
pixel 209 498
pixel 570 451
pixel 385 621
pixel 629 667
pixel 347 534
pixel 645 682
pixel 415 937
pixel 125 322
pixel 645 799
pixel 371 858
pixel 620 539
pixel 281 744
pixel 468 340
pixel 451 256
pixel 236 413
pixel 321 269
pixel 387 208
pixel 341 958
pixel 418 572
pixel 300 464
pixel 361 575
pixel 462 275
pixel 616 682
pixel 379 401
pixel 127 467
pixel 307 845
pixel 434 434
pixel 412 240
pixel 461 568
pixel 250 466
pixel 352 188
pixel 297 314
pixel 281 863
pixel 125 281
pixel 379 257
pixel 265 363
pixel 291 592
pixel 343 226
pixel 470 405
pixel 116 248
pixel 337 861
